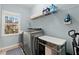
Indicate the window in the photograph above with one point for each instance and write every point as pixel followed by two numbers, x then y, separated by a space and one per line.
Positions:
pixel 10 23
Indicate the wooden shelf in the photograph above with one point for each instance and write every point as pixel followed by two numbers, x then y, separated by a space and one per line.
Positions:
pixel 38 16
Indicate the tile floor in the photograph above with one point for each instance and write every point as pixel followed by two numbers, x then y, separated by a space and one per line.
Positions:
pixel 17 51
pixel 3 53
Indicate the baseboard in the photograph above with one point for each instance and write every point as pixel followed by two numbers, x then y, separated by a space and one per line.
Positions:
pixel 10 47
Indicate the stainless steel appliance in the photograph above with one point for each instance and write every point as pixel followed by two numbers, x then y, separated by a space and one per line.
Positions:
pixel 29 40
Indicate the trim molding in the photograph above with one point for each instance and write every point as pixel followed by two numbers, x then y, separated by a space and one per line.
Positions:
pixel 10 47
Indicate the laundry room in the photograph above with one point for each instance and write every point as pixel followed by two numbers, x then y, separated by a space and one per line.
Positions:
pixel 39 29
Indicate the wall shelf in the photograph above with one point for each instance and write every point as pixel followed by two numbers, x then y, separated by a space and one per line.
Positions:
pixel 38 16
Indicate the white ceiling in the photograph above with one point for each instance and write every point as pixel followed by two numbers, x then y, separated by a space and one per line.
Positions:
pixel 58 5
pixel 26 5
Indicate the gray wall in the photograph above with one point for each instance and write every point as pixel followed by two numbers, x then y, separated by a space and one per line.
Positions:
pixel 53 25
pixel 10 40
